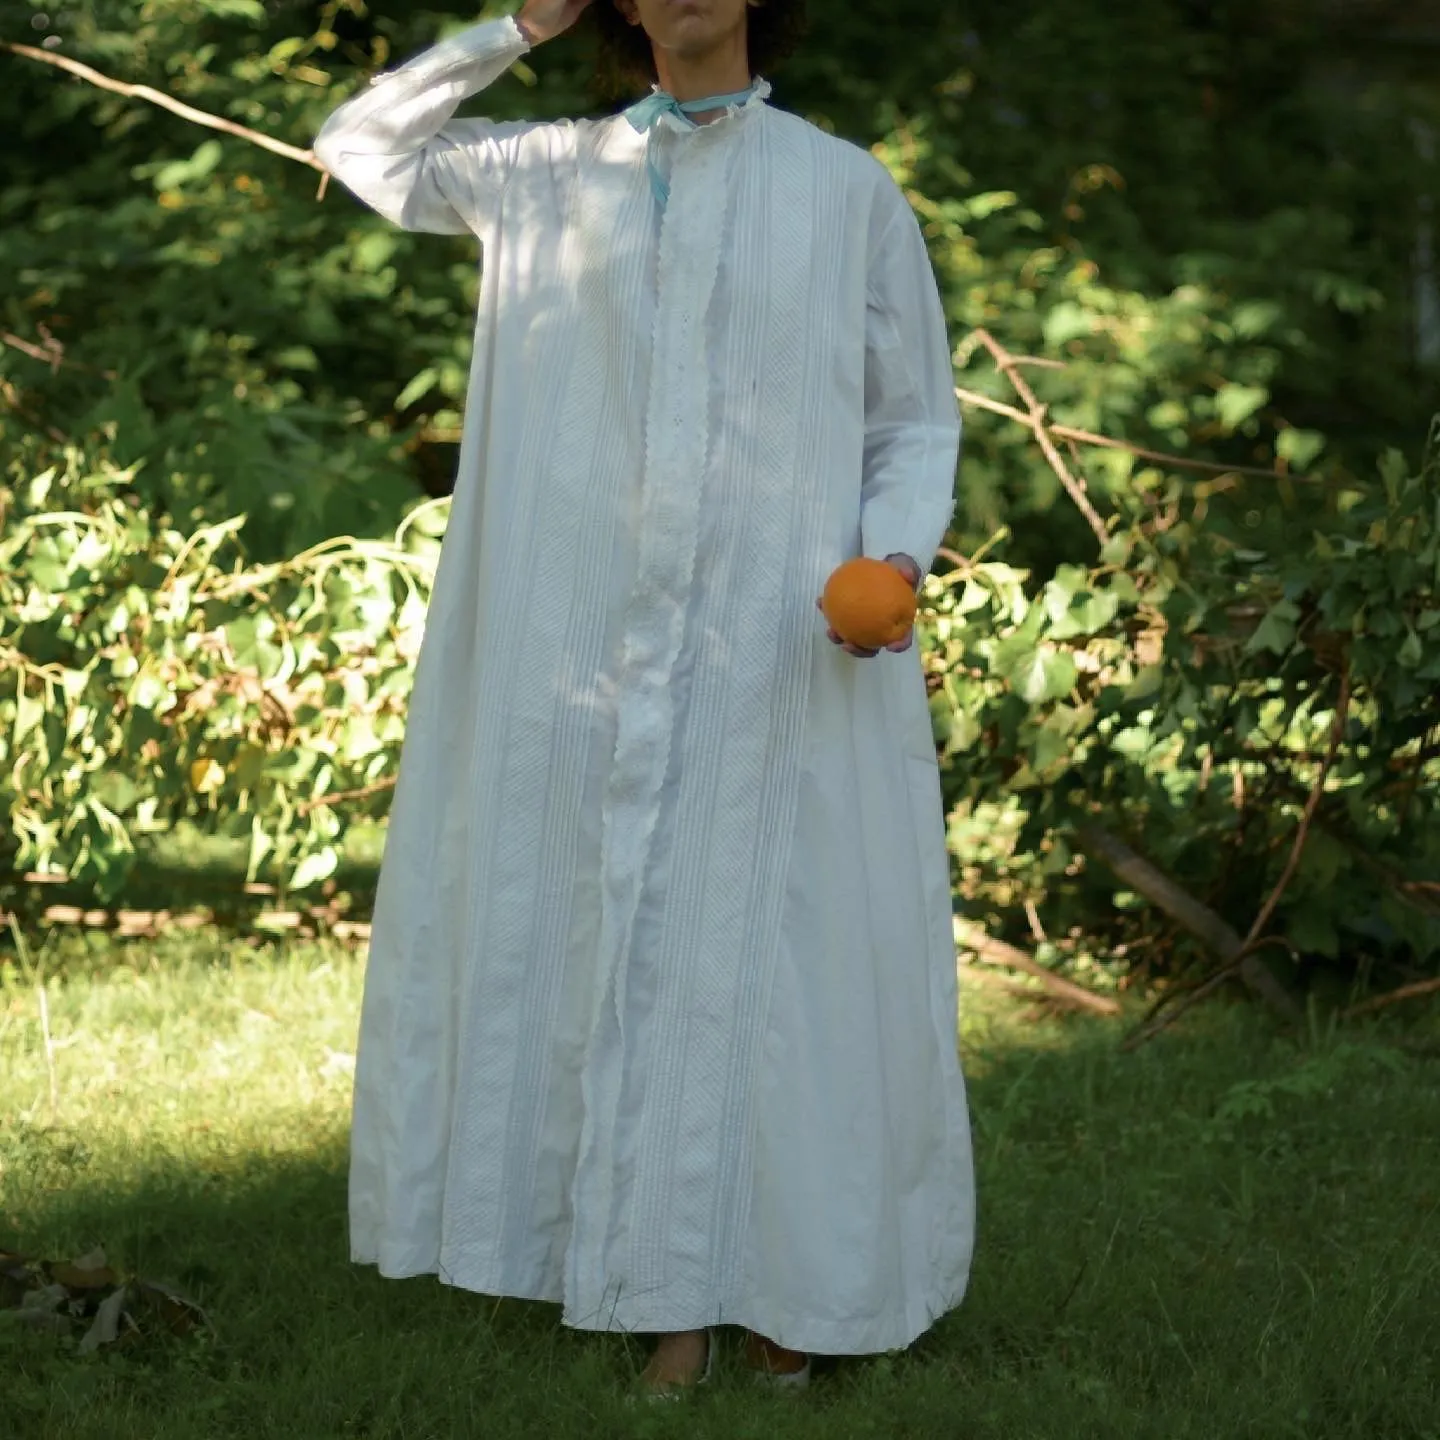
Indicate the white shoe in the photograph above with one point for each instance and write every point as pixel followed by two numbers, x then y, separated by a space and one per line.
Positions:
pixel 778 1380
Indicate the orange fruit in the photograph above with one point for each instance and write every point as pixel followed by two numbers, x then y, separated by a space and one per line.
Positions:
pixel 869 603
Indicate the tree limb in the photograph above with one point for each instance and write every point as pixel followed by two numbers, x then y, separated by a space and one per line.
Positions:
pixel 1212 930
pixel 51 353
pixel 997 952
pixel 1392 997
pixel 1007 364
pixel 1241 953
pixel 1088 437
pixel 1307 817
pixel 166 102
pixel 304 807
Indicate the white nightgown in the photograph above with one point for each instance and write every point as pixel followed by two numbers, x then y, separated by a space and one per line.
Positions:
pixel 660 1015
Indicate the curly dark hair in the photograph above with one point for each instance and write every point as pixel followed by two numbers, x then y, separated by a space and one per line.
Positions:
pixel 626 63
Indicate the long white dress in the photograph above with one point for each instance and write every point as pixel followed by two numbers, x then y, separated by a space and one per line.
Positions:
pixel 660 1015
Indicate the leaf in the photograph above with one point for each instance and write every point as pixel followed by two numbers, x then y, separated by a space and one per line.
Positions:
pixel 315 867
pixel 1067 321
pixel 1235 404
pixel 1311 930
pixel 118 791
pixel 373 251
pixel 1394 470
pixel 206 775
pixel 973 597
pixel 1051 746
pixel 261 844
pixel 105 1327
pixel 181 172
pixel 1047 674
pixel 1299 448
pixel 297 357
pixel 418 386
pixel 1147 682
pixel 1276 630
pixel 1252 318
pixel 29 712
pixel 1117 549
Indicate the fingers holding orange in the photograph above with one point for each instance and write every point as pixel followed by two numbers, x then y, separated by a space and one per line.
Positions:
pixel 844 644
pixel 870 606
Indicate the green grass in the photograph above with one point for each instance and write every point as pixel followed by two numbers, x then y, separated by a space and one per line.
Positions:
pixel 1222 1235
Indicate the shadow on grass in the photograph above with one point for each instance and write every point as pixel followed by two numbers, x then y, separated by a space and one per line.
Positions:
pixel 1170 1243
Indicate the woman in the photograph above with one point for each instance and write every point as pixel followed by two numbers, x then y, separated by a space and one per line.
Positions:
pixel 660 1017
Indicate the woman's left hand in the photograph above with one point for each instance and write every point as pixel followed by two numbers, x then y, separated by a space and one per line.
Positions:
pixel 911 571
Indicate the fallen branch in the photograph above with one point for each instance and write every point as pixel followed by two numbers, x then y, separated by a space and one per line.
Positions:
pixel 166 102
pixel 1392 997
pixel 1243 959
pixel 1211 930
pixel 1010 957
pixel 1009 366
pixel 1106 442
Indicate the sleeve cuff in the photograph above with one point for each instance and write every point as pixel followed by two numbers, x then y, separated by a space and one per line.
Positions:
pixel 484 44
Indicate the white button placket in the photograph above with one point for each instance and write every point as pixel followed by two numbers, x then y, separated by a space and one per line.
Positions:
pixel 676 453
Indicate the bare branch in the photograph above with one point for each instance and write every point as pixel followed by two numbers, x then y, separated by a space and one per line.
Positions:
pixel 1307 817
pixel 51 353
pixel 1006 362
pixel 1088 437
pixel 304 807
pixel 997 952
pixel 1241 954
pixel 1392 997
pixel 1212 930
pixel 165 102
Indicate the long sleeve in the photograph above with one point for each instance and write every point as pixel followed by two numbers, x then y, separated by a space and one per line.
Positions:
pixel 912 419
pixel 392 147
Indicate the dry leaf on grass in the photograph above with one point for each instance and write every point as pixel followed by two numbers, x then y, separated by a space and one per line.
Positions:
pixel 63 1294
pixel 105 1327
pixel 89 1272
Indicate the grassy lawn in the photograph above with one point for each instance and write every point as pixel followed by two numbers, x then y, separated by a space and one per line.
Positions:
pixel 1222 1235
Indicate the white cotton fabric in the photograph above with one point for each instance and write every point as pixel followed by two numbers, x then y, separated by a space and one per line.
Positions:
pixel 660 1015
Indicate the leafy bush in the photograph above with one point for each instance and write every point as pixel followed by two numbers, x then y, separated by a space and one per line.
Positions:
pixel 1194 695
pixel 1204 248
pixel 1184 692
pixel 160 677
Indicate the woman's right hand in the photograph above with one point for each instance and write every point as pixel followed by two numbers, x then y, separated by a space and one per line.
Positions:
pixel 542 20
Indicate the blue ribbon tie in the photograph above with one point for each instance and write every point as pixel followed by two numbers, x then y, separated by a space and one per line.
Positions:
pixel 645 114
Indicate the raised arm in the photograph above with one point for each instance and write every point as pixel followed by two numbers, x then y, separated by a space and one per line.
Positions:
pixel 395 146
pixel 912 420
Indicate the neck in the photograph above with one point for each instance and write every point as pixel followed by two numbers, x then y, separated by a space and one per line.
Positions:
pixel 724 70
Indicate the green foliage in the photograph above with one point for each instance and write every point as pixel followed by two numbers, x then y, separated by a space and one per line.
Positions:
pixel 1203 234
pixel 1180 206
pixel 1181 690
pixel 154 676
pixel 1184 690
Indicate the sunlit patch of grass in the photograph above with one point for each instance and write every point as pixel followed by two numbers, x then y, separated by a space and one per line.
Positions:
pixel 1221 1235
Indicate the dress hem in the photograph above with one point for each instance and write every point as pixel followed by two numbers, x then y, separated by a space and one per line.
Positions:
pixel 858 1335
